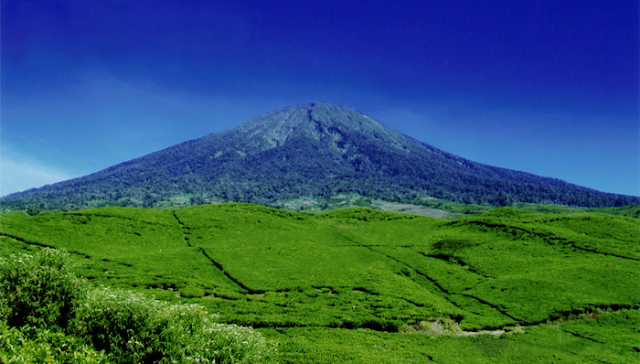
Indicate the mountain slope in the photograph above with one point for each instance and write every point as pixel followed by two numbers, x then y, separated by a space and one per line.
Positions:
pixel 312 149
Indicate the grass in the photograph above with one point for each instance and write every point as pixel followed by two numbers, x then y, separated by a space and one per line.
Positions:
pixel 357 284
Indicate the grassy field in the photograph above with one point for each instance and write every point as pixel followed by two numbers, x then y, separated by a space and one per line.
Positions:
pixel 362 285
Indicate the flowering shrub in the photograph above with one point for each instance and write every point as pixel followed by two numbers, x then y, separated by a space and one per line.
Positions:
pixel 45 347
pixel 40 290
pixel 136 329
pixel 47 315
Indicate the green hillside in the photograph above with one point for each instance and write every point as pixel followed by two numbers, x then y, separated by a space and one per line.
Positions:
pixel 362 285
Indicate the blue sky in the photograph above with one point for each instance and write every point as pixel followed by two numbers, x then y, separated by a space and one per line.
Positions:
pixel 547 87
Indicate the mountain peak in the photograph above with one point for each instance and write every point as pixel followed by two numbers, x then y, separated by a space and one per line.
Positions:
pixel 298 116
pixel 316 120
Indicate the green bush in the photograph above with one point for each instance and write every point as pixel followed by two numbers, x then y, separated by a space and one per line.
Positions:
pixel 192 292
pixel 136 329
pixel 48 316
pixel 40 290
pixel 45 347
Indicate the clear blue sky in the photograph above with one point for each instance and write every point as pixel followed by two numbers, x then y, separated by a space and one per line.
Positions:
pixel 544 86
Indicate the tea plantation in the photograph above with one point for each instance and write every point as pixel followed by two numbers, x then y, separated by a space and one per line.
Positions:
pixel 368 286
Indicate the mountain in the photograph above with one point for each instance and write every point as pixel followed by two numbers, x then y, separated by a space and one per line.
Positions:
pixel 315 149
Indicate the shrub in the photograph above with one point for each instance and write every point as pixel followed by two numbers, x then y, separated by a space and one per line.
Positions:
pixel 136 329
pixel 45 347
pixel 449 247
pixel 40 290
pixel 192 292
pixel 48 316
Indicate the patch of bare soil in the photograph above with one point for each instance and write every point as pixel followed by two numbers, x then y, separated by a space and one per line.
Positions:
pixel 415 209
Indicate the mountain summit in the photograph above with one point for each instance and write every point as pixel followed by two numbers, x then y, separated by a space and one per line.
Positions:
pixel 314 149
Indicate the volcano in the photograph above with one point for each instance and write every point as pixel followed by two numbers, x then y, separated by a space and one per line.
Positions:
pixel 315 149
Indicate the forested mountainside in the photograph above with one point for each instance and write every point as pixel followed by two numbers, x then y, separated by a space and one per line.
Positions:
pixel 314 149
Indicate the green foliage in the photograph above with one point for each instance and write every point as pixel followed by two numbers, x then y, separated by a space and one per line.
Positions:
pixel 45 310
pixel 39 291
pixel 136 329
pixel 45 347
pixel 33 210
pixel 356 284
pixel 192 292
pixel 449 247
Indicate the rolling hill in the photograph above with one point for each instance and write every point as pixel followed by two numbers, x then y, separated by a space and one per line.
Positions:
pixel 310 150
pixel 362 285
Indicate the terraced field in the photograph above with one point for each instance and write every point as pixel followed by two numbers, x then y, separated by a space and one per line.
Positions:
pixel 362 285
